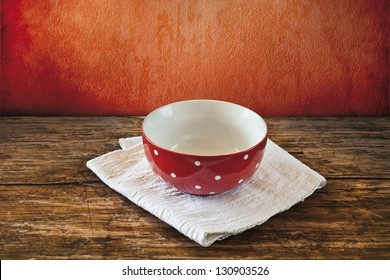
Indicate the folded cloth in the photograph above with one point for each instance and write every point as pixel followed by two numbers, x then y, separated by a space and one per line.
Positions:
pixel 279 183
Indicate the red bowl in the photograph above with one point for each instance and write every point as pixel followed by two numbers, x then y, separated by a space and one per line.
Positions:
pixel 204 147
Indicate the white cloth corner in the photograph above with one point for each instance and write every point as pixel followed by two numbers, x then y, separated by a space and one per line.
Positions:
pixel 280 182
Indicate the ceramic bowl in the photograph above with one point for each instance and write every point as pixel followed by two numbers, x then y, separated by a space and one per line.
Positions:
pixel 204 147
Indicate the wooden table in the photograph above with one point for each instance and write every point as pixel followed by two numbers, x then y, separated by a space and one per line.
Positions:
pixel 53 207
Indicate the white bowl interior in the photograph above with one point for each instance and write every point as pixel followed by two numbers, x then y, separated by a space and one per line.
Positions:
pixel 204 127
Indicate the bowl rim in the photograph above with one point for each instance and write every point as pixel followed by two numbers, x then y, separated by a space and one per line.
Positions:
pixel 198 155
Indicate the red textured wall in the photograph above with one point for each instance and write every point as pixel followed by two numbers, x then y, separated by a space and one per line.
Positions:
pixel 286 57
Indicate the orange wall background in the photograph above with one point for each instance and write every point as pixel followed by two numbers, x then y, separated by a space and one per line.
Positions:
pixel 279 58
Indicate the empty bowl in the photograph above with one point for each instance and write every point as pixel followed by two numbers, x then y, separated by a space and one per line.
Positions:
pixel 204 147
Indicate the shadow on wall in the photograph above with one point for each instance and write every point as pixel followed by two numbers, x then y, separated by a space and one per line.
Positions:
pixel 280 58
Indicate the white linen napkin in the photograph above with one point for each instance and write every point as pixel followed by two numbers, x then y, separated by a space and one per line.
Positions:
pixel 280 182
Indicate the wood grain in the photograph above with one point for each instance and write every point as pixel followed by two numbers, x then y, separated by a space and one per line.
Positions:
pixel 347 219
pixel 53 207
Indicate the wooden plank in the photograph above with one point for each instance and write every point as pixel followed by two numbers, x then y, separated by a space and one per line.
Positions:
pixel 337 147
pixel 348 219
pixel 55 150
pixel 51 150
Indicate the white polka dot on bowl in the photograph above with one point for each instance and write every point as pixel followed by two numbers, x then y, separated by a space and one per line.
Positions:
pixel 217 177
pixel 246 157
pixel 257 165
pixel 155 152
pixel 241 180
pixel 197 163
pixel 198 187
pixel 173 175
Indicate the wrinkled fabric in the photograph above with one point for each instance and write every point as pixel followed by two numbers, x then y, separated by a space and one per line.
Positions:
pixel 280 182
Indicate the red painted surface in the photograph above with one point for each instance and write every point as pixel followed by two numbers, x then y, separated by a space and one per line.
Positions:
pixel 128 57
